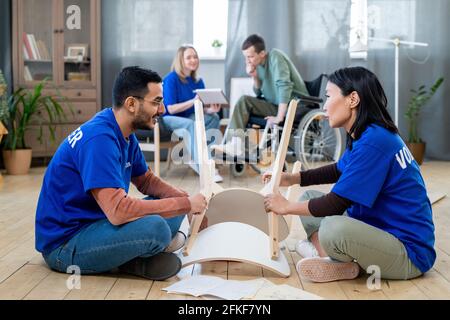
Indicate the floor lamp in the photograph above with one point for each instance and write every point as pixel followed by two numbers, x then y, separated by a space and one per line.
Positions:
pixel 397 42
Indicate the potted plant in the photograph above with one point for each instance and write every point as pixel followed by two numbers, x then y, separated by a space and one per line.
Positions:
pixel 17 114
pixel 3 105
pixel 3 109
pixel 217 46
pixel 419 99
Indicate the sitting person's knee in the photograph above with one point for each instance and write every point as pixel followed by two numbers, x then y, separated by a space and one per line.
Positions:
pixel 332 229
pixel 243 101
pixel 155 227
pixel 310 194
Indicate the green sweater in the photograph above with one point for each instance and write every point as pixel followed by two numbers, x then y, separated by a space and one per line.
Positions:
pixel 280 80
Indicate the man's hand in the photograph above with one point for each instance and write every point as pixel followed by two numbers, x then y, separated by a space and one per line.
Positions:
pixel 271 121
pixel 287 179
pixel 251 71
pixel 213 108
pixel 277 204
pixel 198 203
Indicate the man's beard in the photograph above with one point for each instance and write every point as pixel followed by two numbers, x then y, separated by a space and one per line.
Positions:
pixel 142 121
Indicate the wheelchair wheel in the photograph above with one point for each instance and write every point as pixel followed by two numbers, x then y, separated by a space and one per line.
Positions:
pixel 237 169
pixel 317 144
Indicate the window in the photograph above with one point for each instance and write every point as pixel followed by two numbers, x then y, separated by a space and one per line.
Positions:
pixel 358 23
pixel 391 19
pixel 210 24
pixel 386 19
pixel 329 23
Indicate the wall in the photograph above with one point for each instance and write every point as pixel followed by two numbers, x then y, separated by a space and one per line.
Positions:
pixel 213 73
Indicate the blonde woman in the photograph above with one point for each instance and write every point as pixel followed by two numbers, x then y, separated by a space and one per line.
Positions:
pixel 179 96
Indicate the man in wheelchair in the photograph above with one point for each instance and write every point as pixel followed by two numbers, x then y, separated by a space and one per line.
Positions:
pixel 276 81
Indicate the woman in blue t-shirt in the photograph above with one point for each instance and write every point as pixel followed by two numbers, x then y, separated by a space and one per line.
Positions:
pixel 179 96
pixel 377 216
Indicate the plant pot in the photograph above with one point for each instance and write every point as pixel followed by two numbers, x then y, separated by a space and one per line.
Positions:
pixel 217 51
pixel 417 150
pixel 17 162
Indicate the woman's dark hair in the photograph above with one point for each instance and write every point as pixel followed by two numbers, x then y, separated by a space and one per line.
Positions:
pixel 256 41
pixel 132 81
pixel 373 103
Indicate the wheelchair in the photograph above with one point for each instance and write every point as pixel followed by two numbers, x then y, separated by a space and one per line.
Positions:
pixel 313 142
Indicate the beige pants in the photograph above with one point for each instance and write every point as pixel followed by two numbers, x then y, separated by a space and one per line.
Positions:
pixel 346 239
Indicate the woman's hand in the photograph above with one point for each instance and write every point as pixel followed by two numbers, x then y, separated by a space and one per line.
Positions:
pixel 195 98
pixel 277 204
pixel 213 108
pixel 287 179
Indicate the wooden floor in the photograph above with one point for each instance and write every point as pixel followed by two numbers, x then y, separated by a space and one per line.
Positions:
pixel 24 275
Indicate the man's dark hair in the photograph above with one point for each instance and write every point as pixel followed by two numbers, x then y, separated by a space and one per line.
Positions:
pixel 256 41
pixel 373 102
pixel 132 81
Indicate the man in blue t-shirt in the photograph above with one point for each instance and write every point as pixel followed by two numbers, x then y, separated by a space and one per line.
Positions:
pixel 85 217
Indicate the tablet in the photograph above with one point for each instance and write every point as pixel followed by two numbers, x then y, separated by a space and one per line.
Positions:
pixel 211 96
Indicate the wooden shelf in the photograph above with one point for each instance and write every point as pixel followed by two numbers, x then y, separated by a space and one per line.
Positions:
pixel 76 62
pixel 38 26
pixel 38 61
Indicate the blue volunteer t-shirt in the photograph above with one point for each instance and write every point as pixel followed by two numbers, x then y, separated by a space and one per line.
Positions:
pixel 384 182
pixel 96 155
pixel 176 91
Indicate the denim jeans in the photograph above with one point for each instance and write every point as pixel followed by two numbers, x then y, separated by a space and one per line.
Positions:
pixel 185 127
pixel 101 246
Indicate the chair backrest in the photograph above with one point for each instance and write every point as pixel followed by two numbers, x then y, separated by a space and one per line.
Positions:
pixel 238 88
pixel 315 85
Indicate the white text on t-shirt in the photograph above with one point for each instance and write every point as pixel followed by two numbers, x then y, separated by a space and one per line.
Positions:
pixel 403 156
pixel 75 137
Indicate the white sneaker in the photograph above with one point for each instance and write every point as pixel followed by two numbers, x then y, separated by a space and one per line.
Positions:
pixel 217 177
pixel 177 242
pixel 326 269
pixel 306 249
pixel 233 148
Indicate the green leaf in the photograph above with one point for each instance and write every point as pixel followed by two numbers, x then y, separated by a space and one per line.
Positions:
pixel 25 105
pixel 419 99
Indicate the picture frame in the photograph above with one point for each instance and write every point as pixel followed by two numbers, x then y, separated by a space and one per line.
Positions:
pixel 77 51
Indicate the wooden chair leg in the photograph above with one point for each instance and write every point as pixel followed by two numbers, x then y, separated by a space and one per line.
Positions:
pixel 156 136
pixel 276 176
pixel 291 194
pixel 206 169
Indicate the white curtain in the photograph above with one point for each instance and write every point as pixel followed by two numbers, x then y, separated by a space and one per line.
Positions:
pixel 146 33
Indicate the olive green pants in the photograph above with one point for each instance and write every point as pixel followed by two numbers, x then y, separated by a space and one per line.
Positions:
pixel 245 107
pixel 346 239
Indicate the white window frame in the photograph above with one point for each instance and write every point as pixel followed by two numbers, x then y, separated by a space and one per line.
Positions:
pixel 210 22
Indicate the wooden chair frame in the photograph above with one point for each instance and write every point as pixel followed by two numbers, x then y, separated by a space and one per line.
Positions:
pixel 239 228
